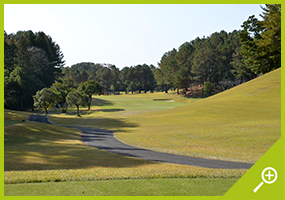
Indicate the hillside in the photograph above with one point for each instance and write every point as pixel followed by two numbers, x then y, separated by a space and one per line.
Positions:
pixel 240 124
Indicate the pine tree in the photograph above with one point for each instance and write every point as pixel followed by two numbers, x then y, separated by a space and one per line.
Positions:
pixel 261 40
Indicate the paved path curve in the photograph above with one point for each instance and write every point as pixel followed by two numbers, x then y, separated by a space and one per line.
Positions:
pixel 104 139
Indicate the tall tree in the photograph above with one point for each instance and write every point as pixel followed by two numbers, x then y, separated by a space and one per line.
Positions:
pixel 36 59
pixel 15 84
pixel 104 77
pixel 182 71
pixel 261 40
pixel 271 36
pixel 167 67
pixel 124 78
pixel 160 78
pixel 114 77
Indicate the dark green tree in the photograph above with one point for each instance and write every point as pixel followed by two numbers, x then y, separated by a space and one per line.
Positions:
pixel 114 77
pixel 160 78
pixel 261 40
pixel 271 36
pixel 15 84
pixel 36 59
pixel 125 78
pixel 104 77
pixel 208 88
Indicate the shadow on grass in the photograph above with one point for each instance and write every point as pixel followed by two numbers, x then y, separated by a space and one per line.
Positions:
pixel 101 102
pixel 86 112
pixel 91 111
pixel 39 146
pixel 114 124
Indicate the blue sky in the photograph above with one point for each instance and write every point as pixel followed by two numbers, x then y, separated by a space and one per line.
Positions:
pixel 125 35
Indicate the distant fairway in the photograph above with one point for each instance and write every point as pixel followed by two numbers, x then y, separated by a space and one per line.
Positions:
pixel 240 124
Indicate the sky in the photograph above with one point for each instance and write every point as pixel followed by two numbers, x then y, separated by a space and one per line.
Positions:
pixel 124 35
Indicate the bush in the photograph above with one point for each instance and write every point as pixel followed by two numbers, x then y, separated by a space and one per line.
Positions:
pixel 208 88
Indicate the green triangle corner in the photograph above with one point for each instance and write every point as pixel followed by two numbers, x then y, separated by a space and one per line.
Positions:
pixel 243 189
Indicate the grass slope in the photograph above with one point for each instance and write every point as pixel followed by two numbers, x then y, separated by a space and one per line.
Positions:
pixel 240 124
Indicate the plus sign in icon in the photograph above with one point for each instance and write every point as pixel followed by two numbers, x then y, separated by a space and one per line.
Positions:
pixel 268 175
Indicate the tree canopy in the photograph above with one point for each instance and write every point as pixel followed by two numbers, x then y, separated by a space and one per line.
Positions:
pixel 45 99
pixel 89 88
pixel 32 61
pixel 77 98
pixel 261 40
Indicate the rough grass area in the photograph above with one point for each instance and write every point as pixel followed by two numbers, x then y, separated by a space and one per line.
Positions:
pixel 37 152
pixel 131 187
pixel 14 117
pixel 240 124
pixel 38 146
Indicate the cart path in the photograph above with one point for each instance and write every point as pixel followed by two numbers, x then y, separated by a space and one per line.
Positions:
pixel 104 139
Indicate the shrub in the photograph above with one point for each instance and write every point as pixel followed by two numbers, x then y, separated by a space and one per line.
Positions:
pixel 208 88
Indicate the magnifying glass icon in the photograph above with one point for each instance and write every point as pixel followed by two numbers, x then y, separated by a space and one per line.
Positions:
pixel 268 175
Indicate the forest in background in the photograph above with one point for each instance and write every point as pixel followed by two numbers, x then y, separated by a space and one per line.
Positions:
pixel 33 61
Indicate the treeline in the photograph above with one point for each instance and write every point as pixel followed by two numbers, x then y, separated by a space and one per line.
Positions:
pixel 215 59
pixel 32 61
pixel 112 79
pixel 216 63
pixel 224 60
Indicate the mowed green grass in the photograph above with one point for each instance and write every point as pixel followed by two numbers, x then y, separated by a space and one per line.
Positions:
pixel 240 124
pixel 112 112
pixel 131 187
pixel 120 106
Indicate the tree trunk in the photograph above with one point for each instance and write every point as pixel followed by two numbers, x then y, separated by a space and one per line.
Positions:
pixel 90 101
pixel 46 111
pixel 166 89
pixel 78 110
